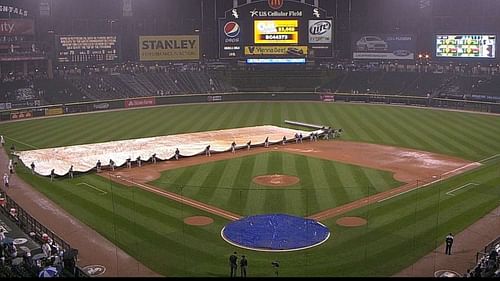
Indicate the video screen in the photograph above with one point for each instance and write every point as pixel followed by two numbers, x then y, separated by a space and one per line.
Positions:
pixel 276 31
pixel 466 46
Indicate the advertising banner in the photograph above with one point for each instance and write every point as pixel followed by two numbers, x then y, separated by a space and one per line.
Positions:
pixel 54 111
pixel 327 98
pixel 276 50
pixel 101 106
pixel 384 46
pixel 214 98
pixel 5 105
pixel 140 102
pixel 320 31
pixel 170 48
pixel 16 27
pixel 21 115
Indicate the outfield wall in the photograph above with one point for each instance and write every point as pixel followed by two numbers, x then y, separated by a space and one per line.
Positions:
pixel 59 109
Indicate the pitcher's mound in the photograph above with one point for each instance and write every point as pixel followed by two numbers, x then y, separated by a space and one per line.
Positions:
pixel 276 180
pixel 198 220
pixel 351 221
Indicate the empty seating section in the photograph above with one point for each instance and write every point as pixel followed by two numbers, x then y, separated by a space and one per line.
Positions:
pixel 136 81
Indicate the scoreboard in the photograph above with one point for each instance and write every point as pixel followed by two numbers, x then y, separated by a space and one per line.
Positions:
pixel 274 30
pixel 466 46
pixel 86 49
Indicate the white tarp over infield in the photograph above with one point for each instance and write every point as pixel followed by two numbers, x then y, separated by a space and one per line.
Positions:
pixel 84 157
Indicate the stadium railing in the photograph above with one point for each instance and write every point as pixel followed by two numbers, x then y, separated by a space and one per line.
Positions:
pixel 419 101
pixel 30 226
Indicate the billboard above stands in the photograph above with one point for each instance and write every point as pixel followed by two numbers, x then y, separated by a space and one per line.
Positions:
pixel 466 46
pixel 274 23
pixel 383 46
pixel 169 48
pixel 87 49
pixel 14 27
pixel 292 51
pixel 276 61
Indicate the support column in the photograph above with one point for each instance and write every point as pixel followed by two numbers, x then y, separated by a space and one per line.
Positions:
pixel 25 68
pixel 50 71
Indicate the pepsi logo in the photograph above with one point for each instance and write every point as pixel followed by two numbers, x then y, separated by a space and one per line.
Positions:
pixel 232 29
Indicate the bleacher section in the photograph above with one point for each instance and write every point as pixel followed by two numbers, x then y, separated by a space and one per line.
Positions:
pixel 130 83
pixel 277 79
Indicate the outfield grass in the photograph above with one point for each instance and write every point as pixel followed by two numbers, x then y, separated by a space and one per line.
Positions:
pixel 151 228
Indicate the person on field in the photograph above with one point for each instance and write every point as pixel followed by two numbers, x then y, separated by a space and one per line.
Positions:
pixel 5 180
pixel 207 151
pixel 129 162
pixel 32 168
pixel 300 137
pixel 296 137
pixel 52 174
pixel 112 164
pixel 233 147
pixel 2 140
pixel 153 158
pixel 266 142
pixel 233 259
pixel 139 161
pixel 177 154
pixel 249 143
pixel 284 140
pixel 98 166
pixel 11 167
pixel 70 172
pixel 449 242
pixel 243 266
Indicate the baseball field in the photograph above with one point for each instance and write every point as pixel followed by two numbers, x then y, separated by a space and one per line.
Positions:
pixel 141 212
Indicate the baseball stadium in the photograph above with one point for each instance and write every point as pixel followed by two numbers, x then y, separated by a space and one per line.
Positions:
pixel 249 138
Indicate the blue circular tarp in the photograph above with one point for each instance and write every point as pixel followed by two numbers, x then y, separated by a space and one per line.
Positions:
pixel 275 232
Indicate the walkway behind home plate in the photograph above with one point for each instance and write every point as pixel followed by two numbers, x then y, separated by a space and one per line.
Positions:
pixel 93 249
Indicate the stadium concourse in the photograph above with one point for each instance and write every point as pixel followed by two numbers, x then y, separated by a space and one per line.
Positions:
pixel 83 158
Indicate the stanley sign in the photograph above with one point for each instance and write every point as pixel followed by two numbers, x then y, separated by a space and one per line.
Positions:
pixel 173 48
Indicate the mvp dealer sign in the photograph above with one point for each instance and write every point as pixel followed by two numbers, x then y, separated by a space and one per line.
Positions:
pixel 174 47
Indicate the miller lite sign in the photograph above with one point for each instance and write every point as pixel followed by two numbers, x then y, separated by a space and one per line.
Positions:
pixel 275 4
pixel 320 31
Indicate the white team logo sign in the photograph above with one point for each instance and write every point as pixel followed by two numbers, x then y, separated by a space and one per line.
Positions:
pixel 94 270
pixel 20 241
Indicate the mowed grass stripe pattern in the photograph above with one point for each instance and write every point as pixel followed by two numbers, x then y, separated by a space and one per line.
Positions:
pixel 466 135
pixel 151 228
pixel 317 190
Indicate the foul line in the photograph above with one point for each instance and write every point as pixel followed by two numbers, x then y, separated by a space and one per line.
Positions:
pixel 460 187
pixel 429 183
pixel 186 201
pixel 91 186
pixel 489 158
pixel 22 143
